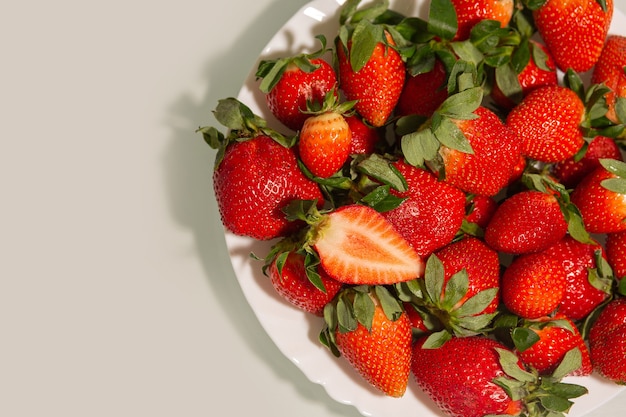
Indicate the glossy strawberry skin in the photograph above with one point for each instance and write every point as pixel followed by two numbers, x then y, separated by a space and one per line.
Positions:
pixel 287 101
pixel 610 70
pixel 533 285
pixel 616 253
pixel 603 211
pixel 528 221
pixel 471 12
pixel 364 137
pixel 580 297
pixel 572 170
pixel 423 93
pixel 607 342
pixel 432 213
pixel 377 86
pixel 292 283
pixel 554 342
pixel 574 31
pixel 496 151
pixel 547 122
pixel 479 261
pixel 381 355
pixel 481 209
pixel 324 143
pixel 252 184
pixel 458 377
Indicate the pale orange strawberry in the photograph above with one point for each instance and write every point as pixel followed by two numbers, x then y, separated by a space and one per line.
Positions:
pixel 324 143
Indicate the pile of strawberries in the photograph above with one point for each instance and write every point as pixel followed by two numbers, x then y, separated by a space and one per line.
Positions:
pixel 451 209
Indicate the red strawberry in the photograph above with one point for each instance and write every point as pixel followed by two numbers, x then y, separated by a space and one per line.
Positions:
pixel 495 153
pixel 602 210
pixel 574 31
pixel 547 122
pixel 609 70
pixel 550 340
pixel 376 84
pixel 432 212
pixel 377 346
pixel 459 377
pixel 324 143
pixel 289 278
pixel 616 253
pixel 357 245
pixel 423 93
pixel 471 12
pixel 607 342
pixel 255 176
pixel 528 221
pixel 587 286
pixel 364 137
pixel 572 170
pixel 533 75
pixel 480 210
pixel 533 285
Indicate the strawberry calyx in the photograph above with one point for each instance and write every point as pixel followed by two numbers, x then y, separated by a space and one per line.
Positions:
pixel 445 311
pixel 542 395
pixel 618 169
pixel 242 124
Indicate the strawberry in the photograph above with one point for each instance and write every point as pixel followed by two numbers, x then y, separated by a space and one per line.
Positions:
pixel 325 140
pixel 469 13
pixel 533 285
pixel 364 137
pixel 607 342
pixel 542 344
pixel 255 176
pixel 572 170
pixel 609 70
pixel 376 344
pixel 495 153
pixel 357 245
pixel 528 221
pixel 374 74
pixel 294 83
pixel 602 206
pixel 290 279
pixel 574 31
pixel 615 246
pixel 540 70
pixel 423 93
pixel 588 277
pixel 480 210
pixel 432 212
pixel 547 122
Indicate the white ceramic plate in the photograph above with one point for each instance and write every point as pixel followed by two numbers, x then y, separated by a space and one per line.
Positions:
pixel 294 332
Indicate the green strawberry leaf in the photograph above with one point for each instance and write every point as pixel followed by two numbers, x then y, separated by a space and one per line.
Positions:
pixel 462 104
pixel 434 278
pixel 442 19
pixel 363 308
pixel 620 109
pixel 381 169
pixel 570 362
pixel 508 82
pixel 477 303
pixel 521 56
pixel 621 286
pixel 346 316
pixel 540 58
pixel 390 305
pixel 467 51
pixel 365 37
pixel 455 289
pixel 614 166
pixel 562 389
pixel 524 338
pixel 510 365
pixel 420 146
pixel 556 404
pixel 534 4
pixel 449 134
pixel 381 199
pixel 437 339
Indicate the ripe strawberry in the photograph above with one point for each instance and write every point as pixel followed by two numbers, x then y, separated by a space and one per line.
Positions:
pixel 532 76
pixel 543 343
pixel 289 277
pixel 572 170
pixel 364 137
pixel 376 84
pixel 480 210
pixel 432 212
pixel 324 143
pixel 533 285
pixel 255 176
pixel 587 283
pixel 547 122
pixel 459 377
pixel 574 31
pixel 357 245
pixel 469 13
pixel 615 246
pixel 528 221
pixel 607 342
pixel 602 210
pixel 423 93
pixel 378 346
pixel 609 69
pixel 495 153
